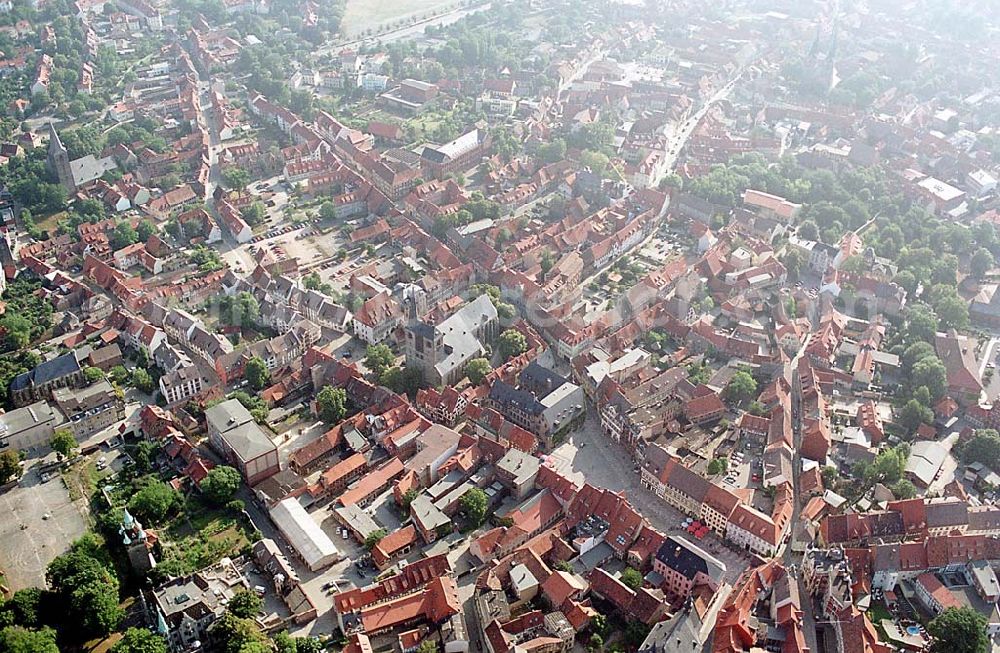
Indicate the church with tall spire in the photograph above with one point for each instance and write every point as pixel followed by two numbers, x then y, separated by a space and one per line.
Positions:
pixel 138 543
pixel 58 160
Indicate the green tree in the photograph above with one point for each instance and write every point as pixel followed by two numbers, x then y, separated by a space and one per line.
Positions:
pixel 63 442
pixel 808 230
pixel 903 489
pixel 741 387
pixel 93 374
pixel 599 624
pixel 17 330
pixel 256 373
pixel 959 630
pixel 374 538
pixel 22 609
pixel 983 447
pixel 378 358
pixel 241 309
pixel 245 604
pixel 145 230
pixel 512 343
pixel 327 211
pixel 143 456
pixel 236 178
pixel 406 380
pixel 473 505
pixel 220 484
pixel 87 591
pixel 285 643
pixel 953 312
pixel 408 498
pixel 981 262
pixel 142 380
pixel 119 374
pixel 718 466
pixel 428 645
pixel 314 282
pixel 564 565
pixel 15 639
pixel 140 640
pixel 913 414
pixel 477 369
pixel 829 474
pixel 238 634
pixel 253 403
pixel 921 323
pixel 890 464
pixel 153 501
pixel 929 372
pixel 331 404
pixel 255 213
pixel 9 466
pixel 122 235
pixel 914 354
pixel 595 643
pixel 631 578
pixel 596 161
pixel 546 261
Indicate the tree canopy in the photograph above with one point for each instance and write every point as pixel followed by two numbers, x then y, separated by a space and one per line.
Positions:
pixel 154 500
pixel 220 484
pixel 983 447
pixel 512 343
pixel 473 505
pixel 245 604
pixel 63 442
pixel 379 358
pixel 87 590
pixel 332 404
pixel 741 387
pixel 140 640
pixel 256 373
pixel 9 466
pixel 959 630
pixel 477 369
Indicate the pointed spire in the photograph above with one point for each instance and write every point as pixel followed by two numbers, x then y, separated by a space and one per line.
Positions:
pixel 55 143
pixel 127 519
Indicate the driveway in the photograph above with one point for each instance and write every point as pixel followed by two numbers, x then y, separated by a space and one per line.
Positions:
pixel 30 542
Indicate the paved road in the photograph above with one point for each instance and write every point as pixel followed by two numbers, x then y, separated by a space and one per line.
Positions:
pixel 791 557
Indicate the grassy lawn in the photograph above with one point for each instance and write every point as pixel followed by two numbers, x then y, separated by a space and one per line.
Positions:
pixel 876 613
pixel 360 15
pixel 82 479
pixel 49 223
pixel 200 535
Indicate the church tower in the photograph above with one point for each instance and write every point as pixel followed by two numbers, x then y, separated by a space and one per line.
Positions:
pixel 138 543
pixel 59 160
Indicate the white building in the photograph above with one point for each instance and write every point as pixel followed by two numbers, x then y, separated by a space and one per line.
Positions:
pixel 305 536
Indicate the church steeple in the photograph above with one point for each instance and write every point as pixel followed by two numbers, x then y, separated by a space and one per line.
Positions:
pixel 58 158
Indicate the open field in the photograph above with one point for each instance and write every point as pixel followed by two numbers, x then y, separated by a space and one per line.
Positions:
pixel 361 15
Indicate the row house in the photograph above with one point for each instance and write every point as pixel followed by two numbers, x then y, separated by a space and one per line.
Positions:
pixel 669 479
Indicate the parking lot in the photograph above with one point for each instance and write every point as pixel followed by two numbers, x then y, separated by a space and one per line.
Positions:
pixel 39 523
